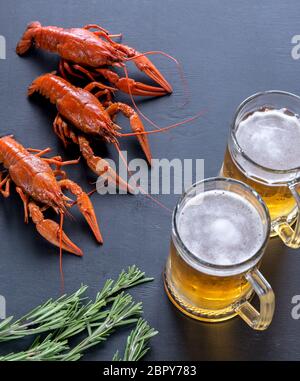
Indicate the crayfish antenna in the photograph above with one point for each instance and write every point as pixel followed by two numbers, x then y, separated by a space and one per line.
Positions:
pixel 129 187
pixel 60 251
pixel 163 129
pixel 142 190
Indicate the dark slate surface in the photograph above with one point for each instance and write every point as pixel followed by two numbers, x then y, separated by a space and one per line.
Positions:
pixel 228 51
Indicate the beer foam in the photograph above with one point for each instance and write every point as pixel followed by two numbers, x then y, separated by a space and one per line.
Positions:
pixel 221 227
pixel 271 138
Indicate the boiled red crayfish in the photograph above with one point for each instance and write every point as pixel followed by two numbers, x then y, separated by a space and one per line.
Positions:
pixel 82 110
pixel 39 189
pixel 92 53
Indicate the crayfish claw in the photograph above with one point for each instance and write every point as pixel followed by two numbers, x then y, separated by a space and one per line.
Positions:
pixel 50 230
pixel 146 66
pixel 85 206
pixel 129 86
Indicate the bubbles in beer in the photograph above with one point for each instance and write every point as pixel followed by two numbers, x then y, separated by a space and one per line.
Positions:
pixel 221 227
pixel 271 138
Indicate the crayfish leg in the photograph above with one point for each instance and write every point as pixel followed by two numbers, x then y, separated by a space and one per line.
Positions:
pixel 101 167
pixel 39 152
pixel 24 198
pixel 65 68
pixel 6 181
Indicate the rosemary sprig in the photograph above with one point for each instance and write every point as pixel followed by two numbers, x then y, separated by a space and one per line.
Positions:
pixel 45 350
pixel 93 312
pixel 137 341
pixel 51 315
pixel 51 350
pixel 123 312
pixel 67 314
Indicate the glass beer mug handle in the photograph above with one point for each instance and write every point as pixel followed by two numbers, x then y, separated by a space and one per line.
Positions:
pixel 259 320
pixel 291 236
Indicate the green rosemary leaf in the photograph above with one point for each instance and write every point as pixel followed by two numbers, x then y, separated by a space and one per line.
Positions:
pixel 51 315
pixel 45 350
pixel 123 309
pixel 93 312
pixel 68 316
pixel 136 346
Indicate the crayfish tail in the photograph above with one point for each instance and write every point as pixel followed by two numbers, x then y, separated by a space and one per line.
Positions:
pixel 27 39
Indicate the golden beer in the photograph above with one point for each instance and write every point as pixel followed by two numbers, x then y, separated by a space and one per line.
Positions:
pixel 199 292
pixel 219 233
pixel 263 151
pixel 278 198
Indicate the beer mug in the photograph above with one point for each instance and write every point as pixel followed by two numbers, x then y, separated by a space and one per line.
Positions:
pixel 263 151
pixel 220 228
